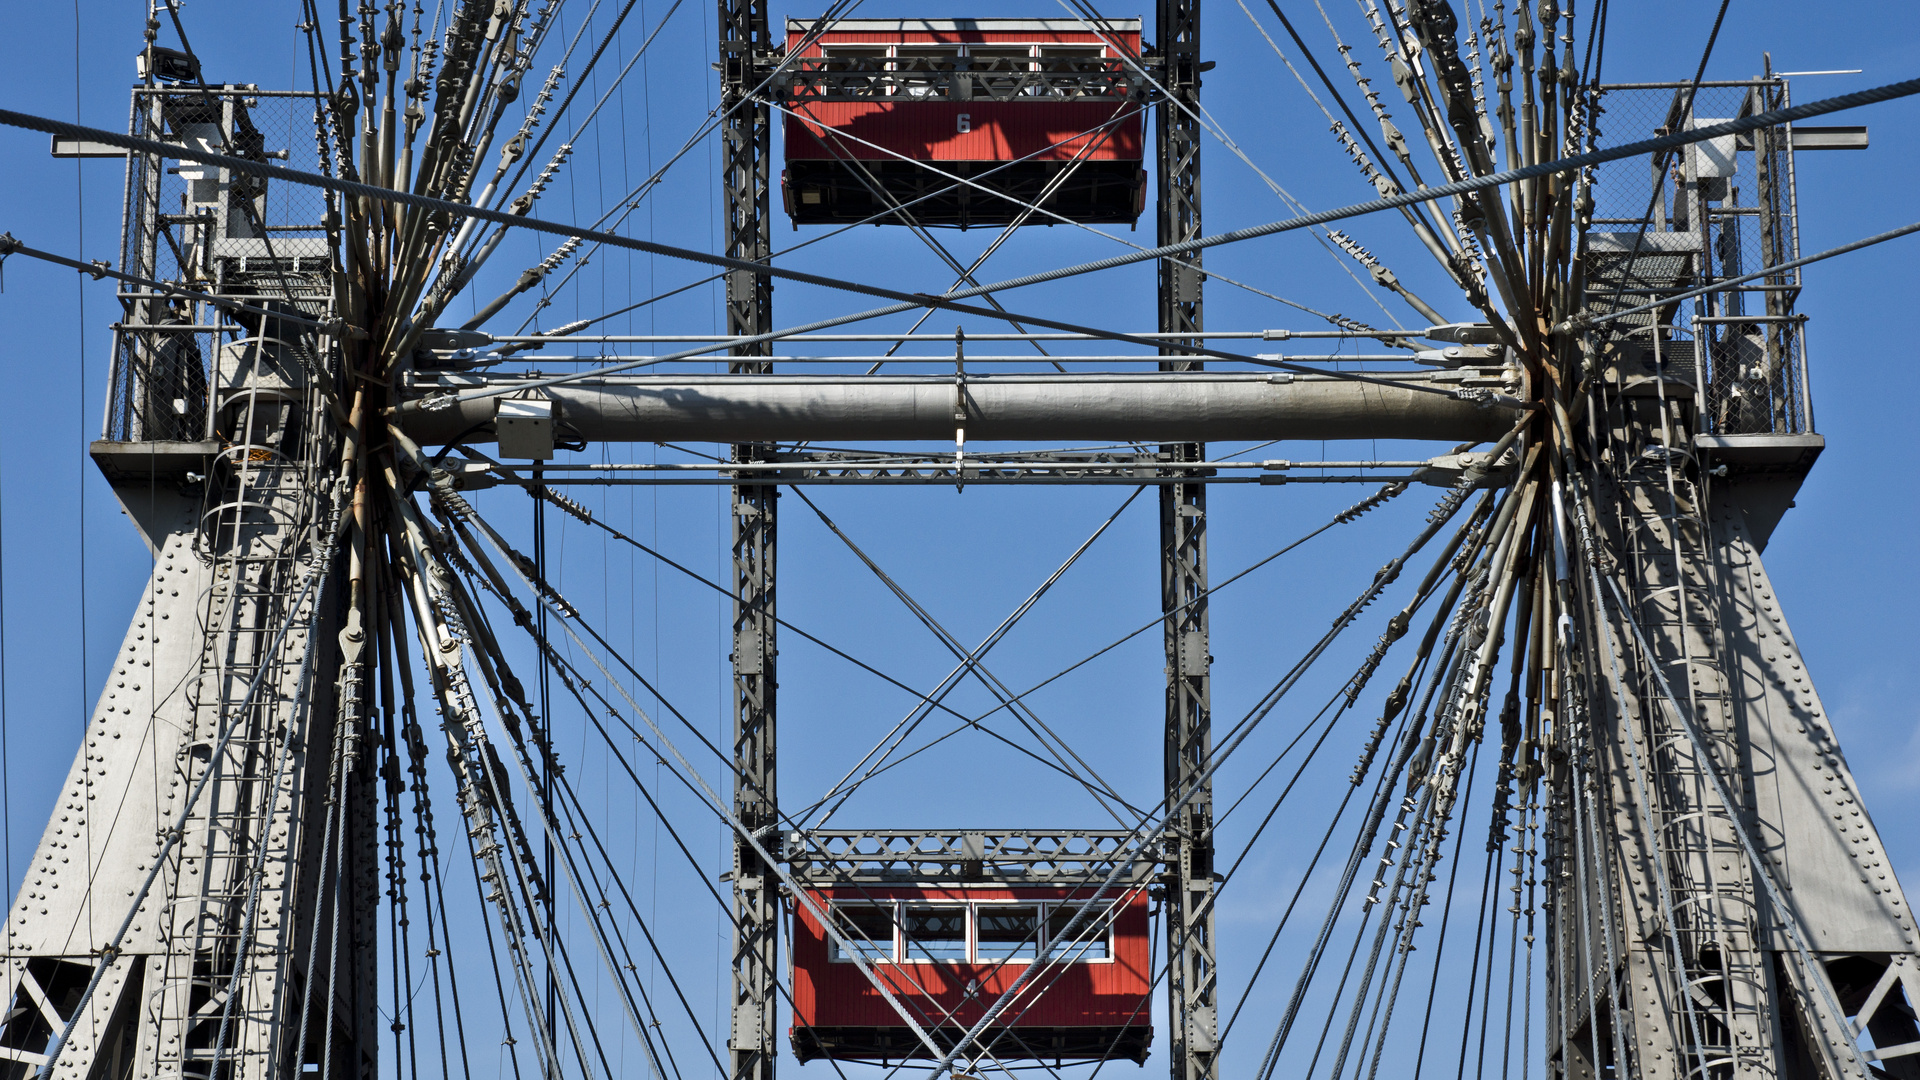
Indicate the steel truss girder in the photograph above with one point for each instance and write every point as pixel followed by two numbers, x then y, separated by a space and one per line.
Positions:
pixel 745 149
pixel 228 690
pixel 1192 975
pixel 1032 467
pixel 225 588
pixel 1665 872
pixel 1007 856
pixel 1059 78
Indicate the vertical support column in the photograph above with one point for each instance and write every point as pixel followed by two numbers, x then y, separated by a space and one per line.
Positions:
pixel 1192 982
pixel 745 150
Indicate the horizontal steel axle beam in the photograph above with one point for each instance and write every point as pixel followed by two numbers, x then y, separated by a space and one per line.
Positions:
pixel 1148 407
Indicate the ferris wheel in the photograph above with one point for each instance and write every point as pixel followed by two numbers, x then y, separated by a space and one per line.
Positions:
pixel 497 459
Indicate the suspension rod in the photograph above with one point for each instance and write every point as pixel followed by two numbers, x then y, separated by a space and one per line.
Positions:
pixel 1266 335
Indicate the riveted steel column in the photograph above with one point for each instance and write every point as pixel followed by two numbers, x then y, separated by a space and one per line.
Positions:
pixel 1192 985
pixel 745 147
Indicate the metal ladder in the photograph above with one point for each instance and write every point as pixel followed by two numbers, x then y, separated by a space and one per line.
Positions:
pixel 1728 1024
pixel 257 533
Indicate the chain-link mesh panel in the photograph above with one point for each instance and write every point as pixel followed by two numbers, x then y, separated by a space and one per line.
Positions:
pixel 210 232
pixel 1726 210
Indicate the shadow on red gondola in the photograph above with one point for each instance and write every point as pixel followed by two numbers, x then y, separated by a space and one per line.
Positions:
pixel 1018 113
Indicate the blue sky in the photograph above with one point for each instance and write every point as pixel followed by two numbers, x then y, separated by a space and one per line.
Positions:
pixel 1843 560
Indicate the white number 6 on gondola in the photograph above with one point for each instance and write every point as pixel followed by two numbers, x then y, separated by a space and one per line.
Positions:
pixel 963 123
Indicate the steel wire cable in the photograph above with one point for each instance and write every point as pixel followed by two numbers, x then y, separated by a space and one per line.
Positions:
pixel 566 788
pixel 1362 846
pixel 715 117
pixel 1458 679
pixel 1482 932
pixel 1284 1028
pixel 1372 168
pixel 1159 976
pixel 579 819
pixel 343 763
pixel 1345 516
pixel 1421 827
pixel 694 783
pixel 399 916
pixel 576 684
pixel 520 963
pixel 553 656
pixel 474 262
pixel 693 778
pixel 469 752
pixel 1393 995
pixel 1087 15
pixel 1385 780
pixel 606 39
pixel 1351 692
pixel 395 623
pixel 541 1044
pixel 1486 990
pixel 1381 783
pixel 1731 127
pixel 1445 921
pixel 870 219
pixel 1359 129
pixel 1244 727
pixel 927 699
pixel 229 727
pixel 1404 742
pixel 999 632
pixel 1094 784
pixel 551 943
pixel 1013 993
pixel 1513 956
pixel 492 666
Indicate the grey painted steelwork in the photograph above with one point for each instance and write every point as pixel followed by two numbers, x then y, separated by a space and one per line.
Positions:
pixel 933 856
pixel 1035 467
pixel 224 673
pixel 1193 984
pixel 1724 896
pixel 1160 407
pixel 1673 873
pixel 1719 902
pixel 224 686
pixel 746 45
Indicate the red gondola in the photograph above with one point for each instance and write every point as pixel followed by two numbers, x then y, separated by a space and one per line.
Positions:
pixel 1017 112
pixel 948 953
